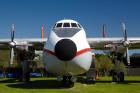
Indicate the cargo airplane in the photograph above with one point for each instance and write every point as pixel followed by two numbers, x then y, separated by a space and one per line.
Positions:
pixel 67 50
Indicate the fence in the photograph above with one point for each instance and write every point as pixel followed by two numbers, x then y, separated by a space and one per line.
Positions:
pixel 130 71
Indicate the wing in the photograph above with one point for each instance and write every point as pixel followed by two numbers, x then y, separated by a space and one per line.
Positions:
pixel 107 43
pixel 37 43
pixel 17 45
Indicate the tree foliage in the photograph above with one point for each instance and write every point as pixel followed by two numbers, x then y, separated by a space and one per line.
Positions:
pixel 4 58
pixel 103 64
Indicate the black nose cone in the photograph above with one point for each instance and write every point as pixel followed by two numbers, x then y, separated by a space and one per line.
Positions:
pixel 65 49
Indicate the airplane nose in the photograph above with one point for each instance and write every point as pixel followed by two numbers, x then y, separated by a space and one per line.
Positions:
pixel 65 49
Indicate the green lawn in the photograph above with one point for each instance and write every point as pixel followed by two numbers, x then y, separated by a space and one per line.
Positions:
pixel 50 85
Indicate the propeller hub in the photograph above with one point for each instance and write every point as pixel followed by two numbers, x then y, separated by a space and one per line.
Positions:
pixel 126 43
pixel 12 44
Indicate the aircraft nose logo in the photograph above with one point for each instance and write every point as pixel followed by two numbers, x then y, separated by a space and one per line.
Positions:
pixel 65 49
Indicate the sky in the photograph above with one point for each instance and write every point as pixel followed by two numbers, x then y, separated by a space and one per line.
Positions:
pixel 29 15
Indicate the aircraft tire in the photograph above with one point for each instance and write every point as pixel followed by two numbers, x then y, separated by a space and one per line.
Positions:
pixel 121 76
pixel 67 83
pixel 114 77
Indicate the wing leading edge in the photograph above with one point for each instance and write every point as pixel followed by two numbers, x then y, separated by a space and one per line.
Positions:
pixel 36 43
pixel 107 43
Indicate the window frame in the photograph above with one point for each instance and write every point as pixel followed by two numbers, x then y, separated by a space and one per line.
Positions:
pixel 79 25
pixel 76 26
pixel 67 25
pixel 57 25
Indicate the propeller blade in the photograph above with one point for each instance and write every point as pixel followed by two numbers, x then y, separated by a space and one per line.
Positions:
pixel 12 33
pixel 104 34
pixel 124 31
pixel 11 56
pixel 127 56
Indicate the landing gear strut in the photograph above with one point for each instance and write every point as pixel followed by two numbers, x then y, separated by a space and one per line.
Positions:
pixel 25 71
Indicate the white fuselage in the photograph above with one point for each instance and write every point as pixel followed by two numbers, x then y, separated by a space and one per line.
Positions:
pixel 79 64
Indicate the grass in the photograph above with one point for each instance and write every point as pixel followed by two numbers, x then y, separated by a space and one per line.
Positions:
pixel 50 85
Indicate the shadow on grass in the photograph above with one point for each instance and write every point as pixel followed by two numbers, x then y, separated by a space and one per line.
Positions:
pixel 38 84
pixel 8 81
pixel 54 84
pixel 84 81
pixel 129 81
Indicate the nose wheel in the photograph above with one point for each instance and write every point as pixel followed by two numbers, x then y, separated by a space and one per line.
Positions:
pixel 67 82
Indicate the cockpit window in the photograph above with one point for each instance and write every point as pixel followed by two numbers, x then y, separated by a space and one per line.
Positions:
pixel 79 26
pixel 66 25
pixel 73 25
pixel 59 25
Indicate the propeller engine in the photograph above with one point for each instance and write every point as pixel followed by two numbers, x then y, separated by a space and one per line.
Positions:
pixel 19 45
pixel 126 43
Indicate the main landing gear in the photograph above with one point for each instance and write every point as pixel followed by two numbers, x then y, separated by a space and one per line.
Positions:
pixel 118 77
pixel 26 57
pixel 118 73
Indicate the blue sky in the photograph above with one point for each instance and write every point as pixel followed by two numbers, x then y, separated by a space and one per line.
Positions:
pixel 29 15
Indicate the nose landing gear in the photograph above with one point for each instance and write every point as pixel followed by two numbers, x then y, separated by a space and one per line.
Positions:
pixel 67 81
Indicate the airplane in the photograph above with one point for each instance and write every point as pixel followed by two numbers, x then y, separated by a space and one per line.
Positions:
pixel 67 52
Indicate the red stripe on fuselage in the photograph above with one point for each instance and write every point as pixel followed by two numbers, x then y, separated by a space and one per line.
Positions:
pixel 77 54
pixel 83 51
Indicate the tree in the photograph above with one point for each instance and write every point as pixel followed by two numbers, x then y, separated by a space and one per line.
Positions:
pixel 103 64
